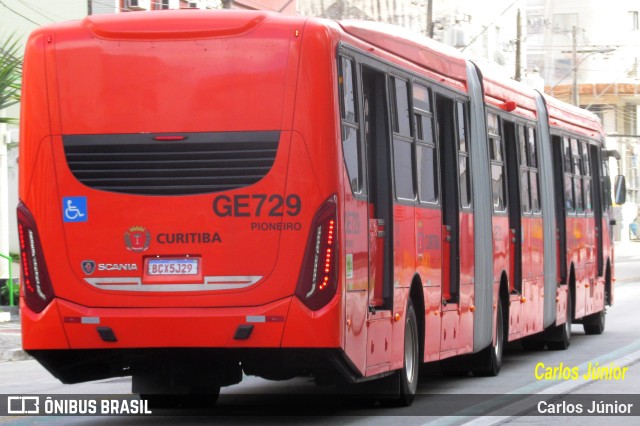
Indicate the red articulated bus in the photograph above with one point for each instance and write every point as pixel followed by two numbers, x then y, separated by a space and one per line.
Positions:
pixel 207 193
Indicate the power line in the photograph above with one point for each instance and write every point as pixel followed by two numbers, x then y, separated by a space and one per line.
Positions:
pixel 488 26
pixel 19 14
pixel 24 3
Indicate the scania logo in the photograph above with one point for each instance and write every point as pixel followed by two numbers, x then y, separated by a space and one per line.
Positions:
pixel 117 267
pixel 88 266
pixel 137 239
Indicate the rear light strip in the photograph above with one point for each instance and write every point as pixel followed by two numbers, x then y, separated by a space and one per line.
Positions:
pixel 37 289
pixel 211 283
pixel 318 281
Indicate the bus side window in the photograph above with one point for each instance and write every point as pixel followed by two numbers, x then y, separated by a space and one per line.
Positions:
pixel 577 173
pixel 497 164
pixel 568 183
pixel 427 158
pixel 605 184
pixel 586 178
pixel 351 146
pixel 533 171
pixel 463 156
pixel 403 146
pixel 525 190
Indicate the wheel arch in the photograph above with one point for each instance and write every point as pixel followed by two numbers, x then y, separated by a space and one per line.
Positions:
pixel 416 294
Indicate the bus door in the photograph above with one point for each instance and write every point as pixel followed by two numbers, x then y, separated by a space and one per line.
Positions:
pixel 380 226
pixel 590 241
pixel 379 181
pixel 513 136
pixel 454 178
pixel 565 213
pixel 596 160
pixel 564 200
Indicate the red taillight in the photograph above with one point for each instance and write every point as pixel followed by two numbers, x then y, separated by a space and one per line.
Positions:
pixel 37 289
pixel 319 275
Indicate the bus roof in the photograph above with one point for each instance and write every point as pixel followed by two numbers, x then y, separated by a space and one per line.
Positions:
pixel 423 51
pixel 176 25
pixel 499 92
pixel 567 117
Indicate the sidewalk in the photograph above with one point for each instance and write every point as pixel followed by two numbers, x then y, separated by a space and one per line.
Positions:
pixel 10 338
pixel 627 248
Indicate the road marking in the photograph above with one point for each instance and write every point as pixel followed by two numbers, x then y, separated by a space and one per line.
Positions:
pixel 622 357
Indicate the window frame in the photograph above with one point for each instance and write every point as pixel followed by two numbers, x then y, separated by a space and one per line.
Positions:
pixel 353 125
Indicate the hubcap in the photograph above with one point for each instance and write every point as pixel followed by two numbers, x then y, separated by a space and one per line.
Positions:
pixel 410 349
pixel 499 337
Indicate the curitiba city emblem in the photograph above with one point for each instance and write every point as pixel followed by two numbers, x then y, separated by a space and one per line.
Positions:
pixel 137 239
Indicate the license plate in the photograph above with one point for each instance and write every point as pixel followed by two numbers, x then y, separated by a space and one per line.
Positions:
pixel 173 267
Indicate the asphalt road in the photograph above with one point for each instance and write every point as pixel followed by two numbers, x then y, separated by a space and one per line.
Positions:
pixel 460 398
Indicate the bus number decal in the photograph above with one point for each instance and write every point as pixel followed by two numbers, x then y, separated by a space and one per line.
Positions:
pixel 352 225
pixel 427 242
pixel 257 205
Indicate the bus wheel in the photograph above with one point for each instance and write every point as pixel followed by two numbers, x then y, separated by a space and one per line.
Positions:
pixel 594 323
pixel 408 375
pixel 490 358
pixel 560 335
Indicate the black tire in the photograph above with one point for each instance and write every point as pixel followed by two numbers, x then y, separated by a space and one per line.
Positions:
pixel 594 323
pixel 490 358
pixel 408 375
pixel 560 335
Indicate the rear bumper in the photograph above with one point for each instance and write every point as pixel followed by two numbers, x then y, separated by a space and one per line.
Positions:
pixel 283 323
pixel 286 339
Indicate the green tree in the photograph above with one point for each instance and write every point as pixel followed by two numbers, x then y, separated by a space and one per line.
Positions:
pixel 10 74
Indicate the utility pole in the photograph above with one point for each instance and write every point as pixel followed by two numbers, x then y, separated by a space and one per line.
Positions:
pixel 518 47
pixel 576 98
pixel 430 18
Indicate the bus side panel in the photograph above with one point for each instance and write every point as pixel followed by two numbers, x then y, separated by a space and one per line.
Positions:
pixel 467 287
pixel 314 329
pixel 429 268
pixel 34 107
pixel 315 153
pixel 355 275
pixel 578 252
pixel 561 304
pixel 43 330
pixel 501 246
pixel 534 305
pixel 608 252
pixel 404 246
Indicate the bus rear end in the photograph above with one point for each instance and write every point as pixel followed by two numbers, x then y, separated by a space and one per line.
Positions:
pixel 171 215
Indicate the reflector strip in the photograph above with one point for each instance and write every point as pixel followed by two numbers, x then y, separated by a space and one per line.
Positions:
pixel 263 318
pixel 211 283
pixel 82 320
pixel 169 138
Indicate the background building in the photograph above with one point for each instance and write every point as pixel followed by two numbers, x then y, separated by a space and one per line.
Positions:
pixel 588 52
pixel 581 51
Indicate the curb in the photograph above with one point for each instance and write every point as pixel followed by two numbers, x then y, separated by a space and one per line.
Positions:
pixel 13 355
pixel 9 313
pixel 18 355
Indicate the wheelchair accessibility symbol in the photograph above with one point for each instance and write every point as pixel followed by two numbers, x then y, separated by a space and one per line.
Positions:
pixel 74 209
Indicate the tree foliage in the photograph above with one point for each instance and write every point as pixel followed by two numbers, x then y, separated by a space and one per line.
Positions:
pixel 10 74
